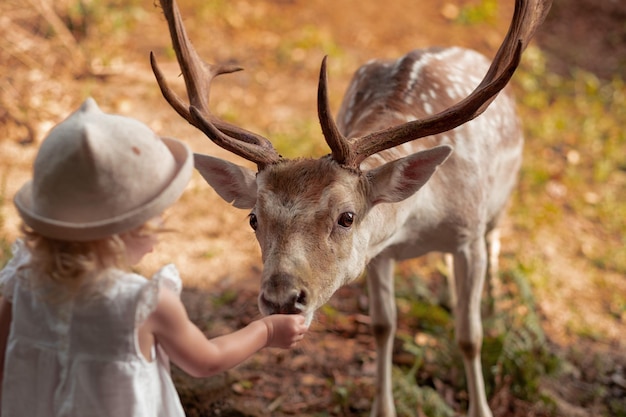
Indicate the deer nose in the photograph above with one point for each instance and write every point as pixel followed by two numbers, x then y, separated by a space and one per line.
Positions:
pixel 279 298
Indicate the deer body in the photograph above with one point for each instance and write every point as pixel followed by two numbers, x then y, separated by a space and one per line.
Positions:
pixel 307 255
pixel 381 196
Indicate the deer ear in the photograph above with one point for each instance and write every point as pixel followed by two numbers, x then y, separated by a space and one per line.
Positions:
pixel 234 183
pixel 400 179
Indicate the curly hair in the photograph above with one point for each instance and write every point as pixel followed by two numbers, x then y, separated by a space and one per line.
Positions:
pixel 63 269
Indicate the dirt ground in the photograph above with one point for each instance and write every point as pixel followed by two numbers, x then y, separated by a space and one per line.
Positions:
pixel 331 373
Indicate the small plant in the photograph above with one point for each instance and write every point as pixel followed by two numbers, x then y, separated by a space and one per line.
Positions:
pixel 483 12
pixel 5 246
pixel 515 350
pixel 413 400
pixel 524 356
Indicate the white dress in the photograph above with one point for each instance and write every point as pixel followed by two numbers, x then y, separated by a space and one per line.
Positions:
pixel 82 358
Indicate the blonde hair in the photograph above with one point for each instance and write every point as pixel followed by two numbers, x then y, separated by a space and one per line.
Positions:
pixel 64 269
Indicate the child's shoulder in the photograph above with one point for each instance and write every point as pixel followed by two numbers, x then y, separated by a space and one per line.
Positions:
pixel 169 277
pixel 166 277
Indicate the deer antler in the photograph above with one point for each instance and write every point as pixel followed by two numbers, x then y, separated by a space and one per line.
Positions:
pixel 528 15
pixel 198 76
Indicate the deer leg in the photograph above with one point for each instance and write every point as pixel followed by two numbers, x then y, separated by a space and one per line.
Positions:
pixel 493 279
pixel 449 260
pixel 383 315
pixel 470 264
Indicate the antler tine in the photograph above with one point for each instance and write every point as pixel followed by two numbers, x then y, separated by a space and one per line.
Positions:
pixel 528 15
pixel 338 144
pixel 198 76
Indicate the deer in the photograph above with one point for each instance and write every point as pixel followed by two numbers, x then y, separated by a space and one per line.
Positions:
pixel 381 195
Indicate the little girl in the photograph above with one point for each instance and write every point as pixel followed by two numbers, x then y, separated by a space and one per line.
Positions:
pixel 79 334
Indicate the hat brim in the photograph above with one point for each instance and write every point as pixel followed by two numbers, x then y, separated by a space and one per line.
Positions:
pixel 68 231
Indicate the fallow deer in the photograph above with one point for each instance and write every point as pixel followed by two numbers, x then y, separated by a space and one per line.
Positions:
pixel 380 196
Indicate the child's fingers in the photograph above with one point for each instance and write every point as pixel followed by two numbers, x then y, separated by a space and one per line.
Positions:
pixel 301 326
pixel 290 329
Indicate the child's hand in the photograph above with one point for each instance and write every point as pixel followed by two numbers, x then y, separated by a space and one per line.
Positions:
pixel 284 330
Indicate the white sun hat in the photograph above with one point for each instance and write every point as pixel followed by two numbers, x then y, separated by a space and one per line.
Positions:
pixel 98 174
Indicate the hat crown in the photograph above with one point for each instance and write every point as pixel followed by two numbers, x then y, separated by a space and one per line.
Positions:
pixel 98 174
pixel 94 166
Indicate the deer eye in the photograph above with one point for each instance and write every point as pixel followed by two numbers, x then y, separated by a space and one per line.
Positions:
pixel 254 223
pixel 346 219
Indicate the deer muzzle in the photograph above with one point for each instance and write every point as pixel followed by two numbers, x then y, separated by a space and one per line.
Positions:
pixel 281 295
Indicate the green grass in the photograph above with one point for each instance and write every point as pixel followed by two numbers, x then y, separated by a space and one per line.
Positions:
pixel 515 349
pixel 114 17
pixel 5 246
pixel 575 161
pixel 307 38
pixel 295 139
pixel 483 12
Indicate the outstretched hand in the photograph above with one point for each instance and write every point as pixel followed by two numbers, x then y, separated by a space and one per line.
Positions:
pixel 284 330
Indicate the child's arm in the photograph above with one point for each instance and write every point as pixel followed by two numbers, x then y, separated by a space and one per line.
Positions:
pixel 189 348
pixel 6 316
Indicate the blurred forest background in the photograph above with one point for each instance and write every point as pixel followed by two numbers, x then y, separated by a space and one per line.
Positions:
pixel 556 343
